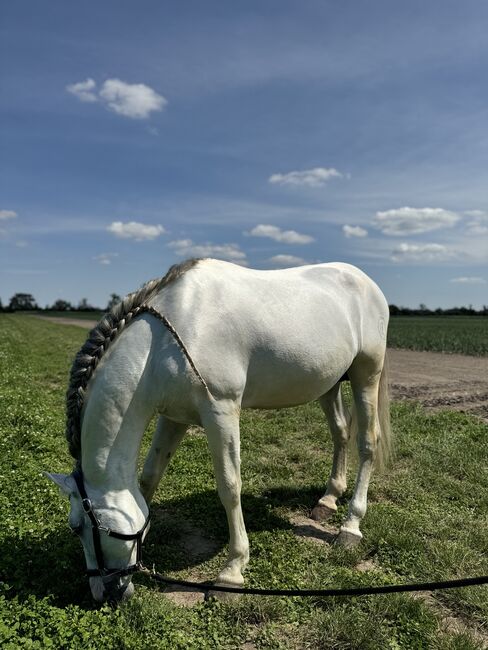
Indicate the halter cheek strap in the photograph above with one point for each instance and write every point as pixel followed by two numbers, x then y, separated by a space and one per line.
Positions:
pixel 102 570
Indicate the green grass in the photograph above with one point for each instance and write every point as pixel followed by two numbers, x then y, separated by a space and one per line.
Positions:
pixel 77 315
pixel 461 334
pixel 427 519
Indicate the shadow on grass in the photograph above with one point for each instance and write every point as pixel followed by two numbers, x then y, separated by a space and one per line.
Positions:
pixel 46 567
pixel 185 532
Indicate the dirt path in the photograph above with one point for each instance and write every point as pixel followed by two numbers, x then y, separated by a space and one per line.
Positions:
pixel 440 380
pixel 436 380
pixel 79 322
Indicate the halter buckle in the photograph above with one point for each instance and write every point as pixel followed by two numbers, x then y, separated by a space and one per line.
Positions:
pixel 86 504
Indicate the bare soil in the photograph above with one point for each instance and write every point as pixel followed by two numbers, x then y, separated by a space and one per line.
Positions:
pixel 318 533
pixel 435 379
pixel 197 546
pixel 79 322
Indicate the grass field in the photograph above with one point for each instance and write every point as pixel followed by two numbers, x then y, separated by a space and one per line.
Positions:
pixel 76 315
pixel 428 519
pixel 461 334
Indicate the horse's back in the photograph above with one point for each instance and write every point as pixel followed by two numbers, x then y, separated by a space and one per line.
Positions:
pixel 280 337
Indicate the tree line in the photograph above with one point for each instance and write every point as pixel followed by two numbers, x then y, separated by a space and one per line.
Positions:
pixel 27 302
pixel 423 310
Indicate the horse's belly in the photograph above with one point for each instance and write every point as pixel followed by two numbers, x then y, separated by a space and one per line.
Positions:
pixel 277 382
pixel 268 397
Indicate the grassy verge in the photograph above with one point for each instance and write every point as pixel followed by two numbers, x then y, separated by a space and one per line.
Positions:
pixel 427 519
pixel 460 334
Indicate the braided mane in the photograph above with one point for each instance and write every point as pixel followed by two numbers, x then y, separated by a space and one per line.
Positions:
pixel 97 343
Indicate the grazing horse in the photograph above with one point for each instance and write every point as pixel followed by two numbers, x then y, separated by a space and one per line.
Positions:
pixel 196 346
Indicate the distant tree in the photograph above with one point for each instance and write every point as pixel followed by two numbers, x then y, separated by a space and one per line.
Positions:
pixel 394 310
pixel 114 299
pixel 61 305
pixel 22 302
pixel 1 305
pixel 84 306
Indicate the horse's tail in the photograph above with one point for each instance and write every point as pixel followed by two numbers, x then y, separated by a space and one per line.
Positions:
pixel 384 449
pixel 385 442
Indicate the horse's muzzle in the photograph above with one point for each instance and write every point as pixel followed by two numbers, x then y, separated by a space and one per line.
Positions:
pixel 115 592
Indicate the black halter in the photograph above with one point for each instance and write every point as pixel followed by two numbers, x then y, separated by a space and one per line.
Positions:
pixel 102 571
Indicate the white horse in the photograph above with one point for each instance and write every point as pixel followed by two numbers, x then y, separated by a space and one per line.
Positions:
pixel 240 338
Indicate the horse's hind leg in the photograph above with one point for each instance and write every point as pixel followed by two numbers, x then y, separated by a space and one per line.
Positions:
pixel 333 408
pixel 365 377
pixel 223 436
pixel 166 439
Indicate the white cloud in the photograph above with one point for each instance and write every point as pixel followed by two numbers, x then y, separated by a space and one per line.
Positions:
pixel 283 236
pixel 468 280
pixel 7 214
pixel 413 221
pixel 135 230
pixel 187 248
pixel 105 258
pixel 83 90
pixel 287 260
pixel 354 231
pixel 421 253
pixel 309 177
pixel 137 101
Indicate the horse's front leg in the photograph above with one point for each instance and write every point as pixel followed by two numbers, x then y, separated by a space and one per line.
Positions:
pixel 166 439
pixel 222 429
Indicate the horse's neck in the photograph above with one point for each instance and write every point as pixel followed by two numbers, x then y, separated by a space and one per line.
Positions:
pixel 119 406
pixel 109 455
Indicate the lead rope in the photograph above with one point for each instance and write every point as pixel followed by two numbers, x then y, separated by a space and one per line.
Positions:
pixel 150 310
pixel 207 587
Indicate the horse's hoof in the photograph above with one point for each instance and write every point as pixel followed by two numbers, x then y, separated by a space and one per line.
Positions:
pixel 322 513
pixel 348 538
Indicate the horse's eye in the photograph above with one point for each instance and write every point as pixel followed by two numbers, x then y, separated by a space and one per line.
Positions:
pixel 76 530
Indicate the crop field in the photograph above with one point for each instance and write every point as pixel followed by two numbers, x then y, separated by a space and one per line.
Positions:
pixel 427 520
pixel 458 334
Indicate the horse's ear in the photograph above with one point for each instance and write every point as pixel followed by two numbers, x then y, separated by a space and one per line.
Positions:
pixel 65 482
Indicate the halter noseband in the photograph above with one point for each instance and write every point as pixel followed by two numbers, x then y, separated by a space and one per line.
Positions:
pixel 102 571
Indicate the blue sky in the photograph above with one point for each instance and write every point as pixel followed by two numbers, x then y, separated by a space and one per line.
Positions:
pixel 268 133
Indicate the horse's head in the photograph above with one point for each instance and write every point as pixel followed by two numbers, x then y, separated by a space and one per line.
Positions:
pixel 111 526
